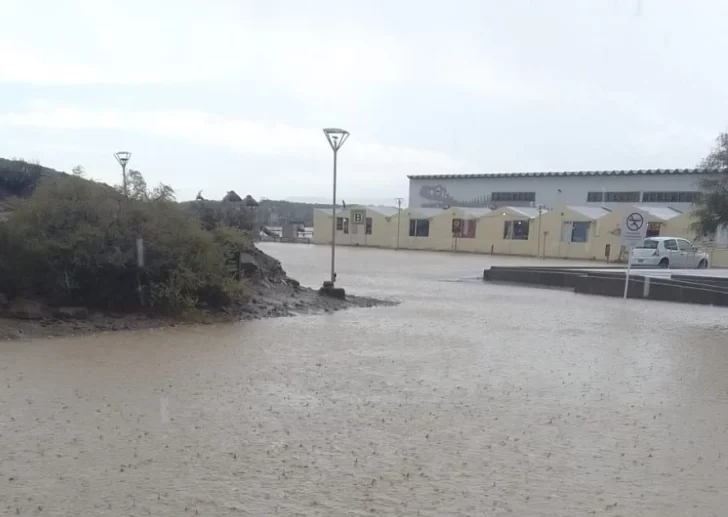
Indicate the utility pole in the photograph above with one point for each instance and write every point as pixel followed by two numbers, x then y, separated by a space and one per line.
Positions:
pixel 399 216
pixel 540 211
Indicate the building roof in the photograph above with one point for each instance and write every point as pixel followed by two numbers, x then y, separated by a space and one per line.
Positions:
pixel 523 211
pixel 386 211
pixel 640 172
pixel 475 213
pixel 327 211
pixel 528 211
pixel 662 212
pixel 424 213
pixel 590 212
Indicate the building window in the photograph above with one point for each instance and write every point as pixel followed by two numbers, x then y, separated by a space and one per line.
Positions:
pixel 513 196
pixel 653 230
pixel 594 197
pixel 516 230
pixel 613 197
pixel 368 230
pixel 463 228
pixel 419 228
pixel 579 231
pixel 670 197
pixel 342 224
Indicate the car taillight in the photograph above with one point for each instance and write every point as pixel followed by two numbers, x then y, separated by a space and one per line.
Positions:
pixel 656 253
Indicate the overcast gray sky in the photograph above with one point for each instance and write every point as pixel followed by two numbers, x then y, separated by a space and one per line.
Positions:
pixel 232 94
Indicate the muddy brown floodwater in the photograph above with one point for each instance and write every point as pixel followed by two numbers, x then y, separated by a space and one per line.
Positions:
pixel 466 399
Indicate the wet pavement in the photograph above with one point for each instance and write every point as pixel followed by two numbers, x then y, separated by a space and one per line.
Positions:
pixel 466 399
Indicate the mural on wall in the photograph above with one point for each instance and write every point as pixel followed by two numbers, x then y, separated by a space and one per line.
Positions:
pixel 436 196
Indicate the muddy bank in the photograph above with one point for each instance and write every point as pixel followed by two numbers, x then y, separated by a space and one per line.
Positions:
pixel 270 293
pixel 271 302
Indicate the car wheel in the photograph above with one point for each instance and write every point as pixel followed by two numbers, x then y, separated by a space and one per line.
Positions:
pixel 703 264
pixel 664 263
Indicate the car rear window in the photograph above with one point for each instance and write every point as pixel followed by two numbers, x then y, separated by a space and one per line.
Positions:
pixel 649 244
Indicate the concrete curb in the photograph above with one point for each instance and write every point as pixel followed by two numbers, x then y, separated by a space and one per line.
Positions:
pixel 679 288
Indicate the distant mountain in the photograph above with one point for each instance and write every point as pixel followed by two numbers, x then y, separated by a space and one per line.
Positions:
pixel 275 213
pixel 18 179
pixel 372 201
pixel 272 212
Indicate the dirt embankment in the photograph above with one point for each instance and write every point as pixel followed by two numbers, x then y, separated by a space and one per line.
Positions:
pixel 270 294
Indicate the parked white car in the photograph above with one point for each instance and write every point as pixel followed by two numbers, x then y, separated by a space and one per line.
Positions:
pixel 668 252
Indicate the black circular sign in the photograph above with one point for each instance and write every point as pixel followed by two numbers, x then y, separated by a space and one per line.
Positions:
pixel 635 221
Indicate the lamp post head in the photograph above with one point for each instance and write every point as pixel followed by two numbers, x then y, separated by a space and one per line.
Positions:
pixel 336 137
pixel 122 157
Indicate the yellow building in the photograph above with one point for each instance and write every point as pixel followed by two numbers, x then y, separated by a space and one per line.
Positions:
pixel 508 231
pixel 575 232
pixel 466 227
pixel 570 232
pixel 421 229
pixel 357 225
pixel 322 225
pixel 451 229
pixel 665 221
pixel 661 221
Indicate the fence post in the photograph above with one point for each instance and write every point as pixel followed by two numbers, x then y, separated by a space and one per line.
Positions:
pixel 140 265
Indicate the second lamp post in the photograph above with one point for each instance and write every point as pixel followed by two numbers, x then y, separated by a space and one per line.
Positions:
pixel 336 138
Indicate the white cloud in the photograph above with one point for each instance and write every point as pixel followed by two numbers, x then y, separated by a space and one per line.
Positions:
pixel 18 66
pixel 246 137
pixel 105 42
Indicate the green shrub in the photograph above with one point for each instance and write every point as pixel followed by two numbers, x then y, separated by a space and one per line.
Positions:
pixel 74 241
pixel 17 177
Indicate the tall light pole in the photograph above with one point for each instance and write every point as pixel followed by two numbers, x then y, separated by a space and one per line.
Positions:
pixel 336 138
pixel 399 216
pixel 123 158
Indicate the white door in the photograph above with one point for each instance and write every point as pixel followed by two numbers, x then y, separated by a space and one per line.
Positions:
pixel 357 228
pixel 673 254
pixel 688 251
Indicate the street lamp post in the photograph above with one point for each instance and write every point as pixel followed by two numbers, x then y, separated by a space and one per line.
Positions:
pixel 336 138
pixel 399 216
pixel 123 158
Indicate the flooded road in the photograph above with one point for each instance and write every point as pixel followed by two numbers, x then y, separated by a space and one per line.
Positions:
pixel 466 399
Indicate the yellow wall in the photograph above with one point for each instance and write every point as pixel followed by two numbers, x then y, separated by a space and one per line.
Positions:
pixel 321 227
pixel 610 232
pixel 384 229
pixel 678 227
pixel 718 258
pixel 552 226
pixel 489 235
pixel 441 230
pixel 432 242
pixel 470 244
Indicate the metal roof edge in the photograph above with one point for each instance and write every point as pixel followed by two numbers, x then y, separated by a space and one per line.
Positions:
pixel 552 174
